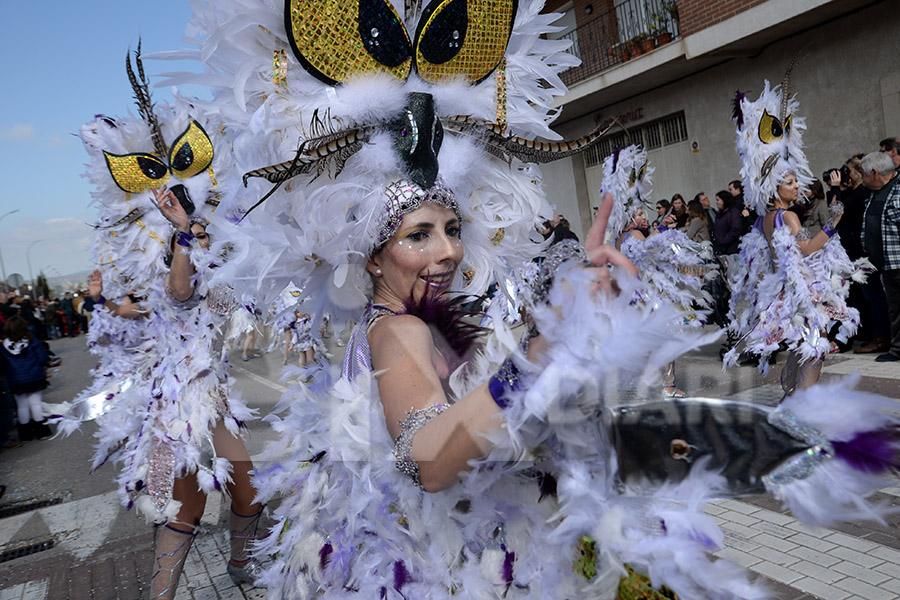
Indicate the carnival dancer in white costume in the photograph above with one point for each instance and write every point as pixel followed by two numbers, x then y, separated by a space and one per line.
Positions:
pixel 175 428
pixel 431 466
pixel 788 288
pixel 666 257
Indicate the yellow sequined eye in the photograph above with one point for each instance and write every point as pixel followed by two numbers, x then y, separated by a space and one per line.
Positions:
pixel 632 178
pixel 770 128
pixel 336 39
pixel 788 124
pixel 191 153
pixel 138 172
pixel 463 38
pixel 642 172
pixel 295 293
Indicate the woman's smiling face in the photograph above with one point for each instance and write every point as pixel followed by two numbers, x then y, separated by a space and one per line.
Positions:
pixel 422 256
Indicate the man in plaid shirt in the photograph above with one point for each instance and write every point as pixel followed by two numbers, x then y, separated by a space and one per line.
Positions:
pixel 881 236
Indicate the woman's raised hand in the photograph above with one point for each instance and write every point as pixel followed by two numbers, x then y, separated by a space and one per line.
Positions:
pixel 95 284
pixel 604 255
pixel 171 209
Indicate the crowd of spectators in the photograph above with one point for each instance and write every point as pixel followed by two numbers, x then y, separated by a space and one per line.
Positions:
pixel 867 186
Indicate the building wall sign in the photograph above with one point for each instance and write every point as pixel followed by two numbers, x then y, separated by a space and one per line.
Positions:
pixel 633 114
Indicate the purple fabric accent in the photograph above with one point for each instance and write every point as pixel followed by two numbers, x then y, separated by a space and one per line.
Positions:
pixel 358 358
pixel 498 388
pixel 324 554
pixel 829 230
pixel 871 451
pixel 401 575
pixel 184 239
pixel 779 218
pixel 446 317
pixel 758 224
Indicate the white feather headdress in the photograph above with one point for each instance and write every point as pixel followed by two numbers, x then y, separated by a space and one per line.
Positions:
pixel 627 177
pixel 770 143
pixel 169 144
pixel 351 127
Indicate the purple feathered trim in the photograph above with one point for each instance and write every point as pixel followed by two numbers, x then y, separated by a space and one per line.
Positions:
pixel 448 318
pixel 737 113
pixel 401 575
pixel 324 554
pixel 871 451
pixel 547 485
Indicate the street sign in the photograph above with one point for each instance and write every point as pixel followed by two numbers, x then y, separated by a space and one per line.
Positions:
pixel 15 280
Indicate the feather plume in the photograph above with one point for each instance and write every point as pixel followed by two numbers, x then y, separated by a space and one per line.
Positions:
pixel 737 111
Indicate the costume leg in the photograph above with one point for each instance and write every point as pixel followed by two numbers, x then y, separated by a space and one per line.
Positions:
pixel 174 539
pixel 23 408
pixel 796 375
pixel 245 513
pixel 670 389
pixel 172 546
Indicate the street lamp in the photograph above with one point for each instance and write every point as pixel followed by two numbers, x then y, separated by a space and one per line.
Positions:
pixel 2 266
pixel 28 260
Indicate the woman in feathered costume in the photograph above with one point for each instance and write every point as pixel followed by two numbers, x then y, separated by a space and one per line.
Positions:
pixel 174 427
pixel 789 288
pixel 666 258
pixel 432 465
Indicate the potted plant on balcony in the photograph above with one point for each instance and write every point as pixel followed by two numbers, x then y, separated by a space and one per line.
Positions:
pixel 645 42
pixel 659 30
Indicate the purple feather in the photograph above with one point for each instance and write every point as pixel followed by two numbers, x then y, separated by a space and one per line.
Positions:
pixel 324 554
pixel 871 451
pixel 401 575
pixel 737 112
pixel 508 561
pixel 448 319
pixel 616 152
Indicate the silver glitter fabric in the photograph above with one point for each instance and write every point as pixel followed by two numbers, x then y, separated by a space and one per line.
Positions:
pixel 405 196
pixel 557 254
pixel 358 358
pixel 161 474
pixel 409 427
pixel 801 465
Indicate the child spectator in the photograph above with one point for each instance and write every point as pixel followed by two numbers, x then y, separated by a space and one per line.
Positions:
pixel 22 359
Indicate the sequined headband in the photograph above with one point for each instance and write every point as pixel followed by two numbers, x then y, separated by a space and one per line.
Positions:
pixel 405 196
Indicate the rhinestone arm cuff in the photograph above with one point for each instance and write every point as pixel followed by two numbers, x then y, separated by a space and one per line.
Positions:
pixel 557 254
pixel 409 427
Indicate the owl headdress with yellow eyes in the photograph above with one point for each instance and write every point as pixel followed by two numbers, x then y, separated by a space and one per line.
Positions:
pixel 168 145
pixel 345 114
pixel 770 143
pixel 627 177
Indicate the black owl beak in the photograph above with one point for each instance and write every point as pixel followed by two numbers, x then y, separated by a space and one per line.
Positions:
pixel 417 136
pixel 183 198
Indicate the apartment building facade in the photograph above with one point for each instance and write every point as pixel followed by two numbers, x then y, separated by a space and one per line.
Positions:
pixel 666 70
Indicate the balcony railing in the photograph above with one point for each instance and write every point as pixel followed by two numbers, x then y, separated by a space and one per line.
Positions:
pixel 632 28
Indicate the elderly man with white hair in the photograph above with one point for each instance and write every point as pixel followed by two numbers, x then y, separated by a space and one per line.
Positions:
pixel 881 236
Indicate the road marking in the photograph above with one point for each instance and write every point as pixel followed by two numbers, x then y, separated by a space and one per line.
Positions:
pixel 260 379
pixel 82 525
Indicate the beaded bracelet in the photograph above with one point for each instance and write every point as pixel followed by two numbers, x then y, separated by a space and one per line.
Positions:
pixel 102 300
pixel 829 230
pixel 506 380
pixel 662 229
pixel 184 238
